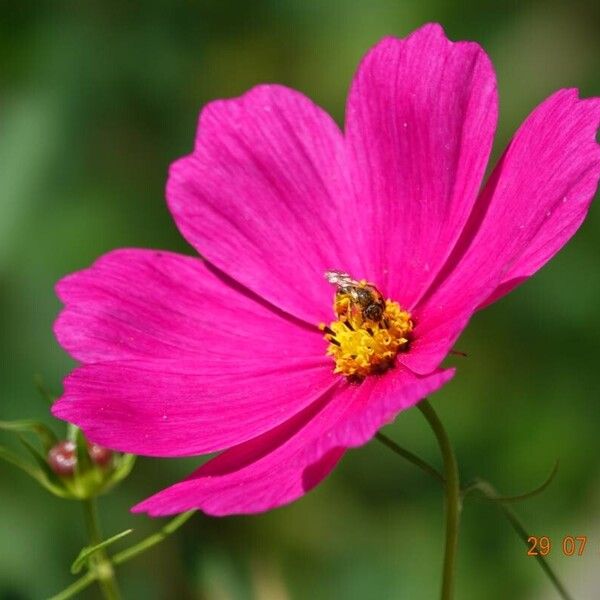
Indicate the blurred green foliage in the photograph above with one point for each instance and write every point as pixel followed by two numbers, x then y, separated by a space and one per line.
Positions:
pixel 97 98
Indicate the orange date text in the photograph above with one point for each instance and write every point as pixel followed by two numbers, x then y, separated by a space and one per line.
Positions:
pixel 570 545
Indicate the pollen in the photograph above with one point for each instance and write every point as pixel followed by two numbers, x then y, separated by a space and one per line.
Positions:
pixel 368 333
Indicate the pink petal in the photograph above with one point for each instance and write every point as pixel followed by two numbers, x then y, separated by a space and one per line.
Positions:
pixel 420 123
pixel 150 304
pixel 215 366
pixel 565 186
pixel 377 402
pixel 265 198
pixel 189 407
pixel 534 202
pixel 284 464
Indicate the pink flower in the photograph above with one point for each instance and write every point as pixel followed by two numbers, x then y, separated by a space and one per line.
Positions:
pixel 183 356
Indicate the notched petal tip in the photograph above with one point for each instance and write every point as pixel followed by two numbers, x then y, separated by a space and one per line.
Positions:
pixel 420 121
pixel 428 31
pixel 268 167
pixel 265 96
pixel 535 200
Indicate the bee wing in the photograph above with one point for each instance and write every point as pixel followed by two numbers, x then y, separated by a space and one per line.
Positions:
pixel 340 279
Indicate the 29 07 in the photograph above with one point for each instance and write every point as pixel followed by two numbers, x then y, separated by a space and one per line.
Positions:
pixel 542 545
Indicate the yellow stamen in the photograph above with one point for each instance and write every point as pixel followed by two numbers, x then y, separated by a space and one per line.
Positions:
pixel 362 347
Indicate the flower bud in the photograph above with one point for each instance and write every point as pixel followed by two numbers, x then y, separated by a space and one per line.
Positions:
pixel 100 455
pixel 62 458
pixel 85 469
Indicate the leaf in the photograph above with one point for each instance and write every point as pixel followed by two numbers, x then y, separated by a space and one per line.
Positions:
pixel 44 433
pixel 84 462
pixel 516 498
pixel 123 468
pixel 532 493
pixel 42 463
pixel 488 490
pixel 123 464
pixel 44 392
pixel 18 462
pixel 153 539
pixel 37 474
pixel 88 551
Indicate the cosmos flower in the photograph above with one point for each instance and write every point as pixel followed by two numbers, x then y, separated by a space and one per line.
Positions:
pixel 240 351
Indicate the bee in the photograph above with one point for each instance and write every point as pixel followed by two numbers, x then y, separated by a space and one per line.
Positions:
pixel 356 298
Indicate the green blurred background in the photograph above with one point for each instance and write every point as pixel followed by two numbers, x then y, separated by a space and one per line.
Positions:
pixel 97 98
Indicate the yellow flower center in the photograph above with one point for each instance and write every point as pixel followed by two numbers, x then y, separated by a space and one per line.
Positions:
pixel 368 333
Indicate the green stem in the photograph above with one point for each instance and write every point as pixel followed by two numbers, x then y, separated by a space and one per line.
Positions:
pixel 100 564
pixel 118 559
pixel 77 586
pixel 409 456
pixel 490 493
pixel 452 500
pixel 153 539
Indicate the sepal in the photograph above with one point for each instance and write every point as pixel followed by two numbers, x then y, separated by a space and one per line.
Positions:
pixel 71 468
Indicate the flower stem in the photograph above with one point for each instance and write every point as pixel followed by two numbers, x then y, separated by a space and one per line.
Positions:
pixel 153 539
pixel 77 586
pixel 489 493
pixel 83 582
pixel 409 456
pixel 452 500
pixel 100 564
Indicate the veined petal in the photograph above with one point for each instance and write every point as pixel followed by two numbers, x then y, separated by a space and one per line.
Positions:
pixel 265 197
pixel 189 407
pixel 154 304
pixel 260 474
pixel 535 200
pixel 284 464
pixel 559 138
pixel 420 122
pixel 377 402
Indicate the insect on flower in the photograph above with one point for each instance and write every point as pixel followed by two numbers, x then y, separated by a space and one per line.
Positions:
pixel 237 353
pixel 356 300
pixel 369 331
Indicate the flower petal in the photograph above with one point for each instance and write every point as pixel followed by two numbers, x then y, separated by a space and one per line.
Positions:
pixel 420 123
pixel 565 186
pixel 377 402
pixel 534 202
pixel 215 366
pixel 284 464
pixel 188 407
pixel 151 304
pixel 264 197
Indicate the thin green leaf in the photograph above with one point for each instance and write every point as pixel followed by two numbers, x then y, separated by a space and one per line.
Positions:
pixel 37 474
pixel 121 557
pixel 84 462
pixel 44 392
pixel 147 543
pixel 123 468
pixel 20 463
pixel 409 456
pixel 44 433
pixel 88 551
pixel 42 463
pixel 489 492
pixel 519 497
